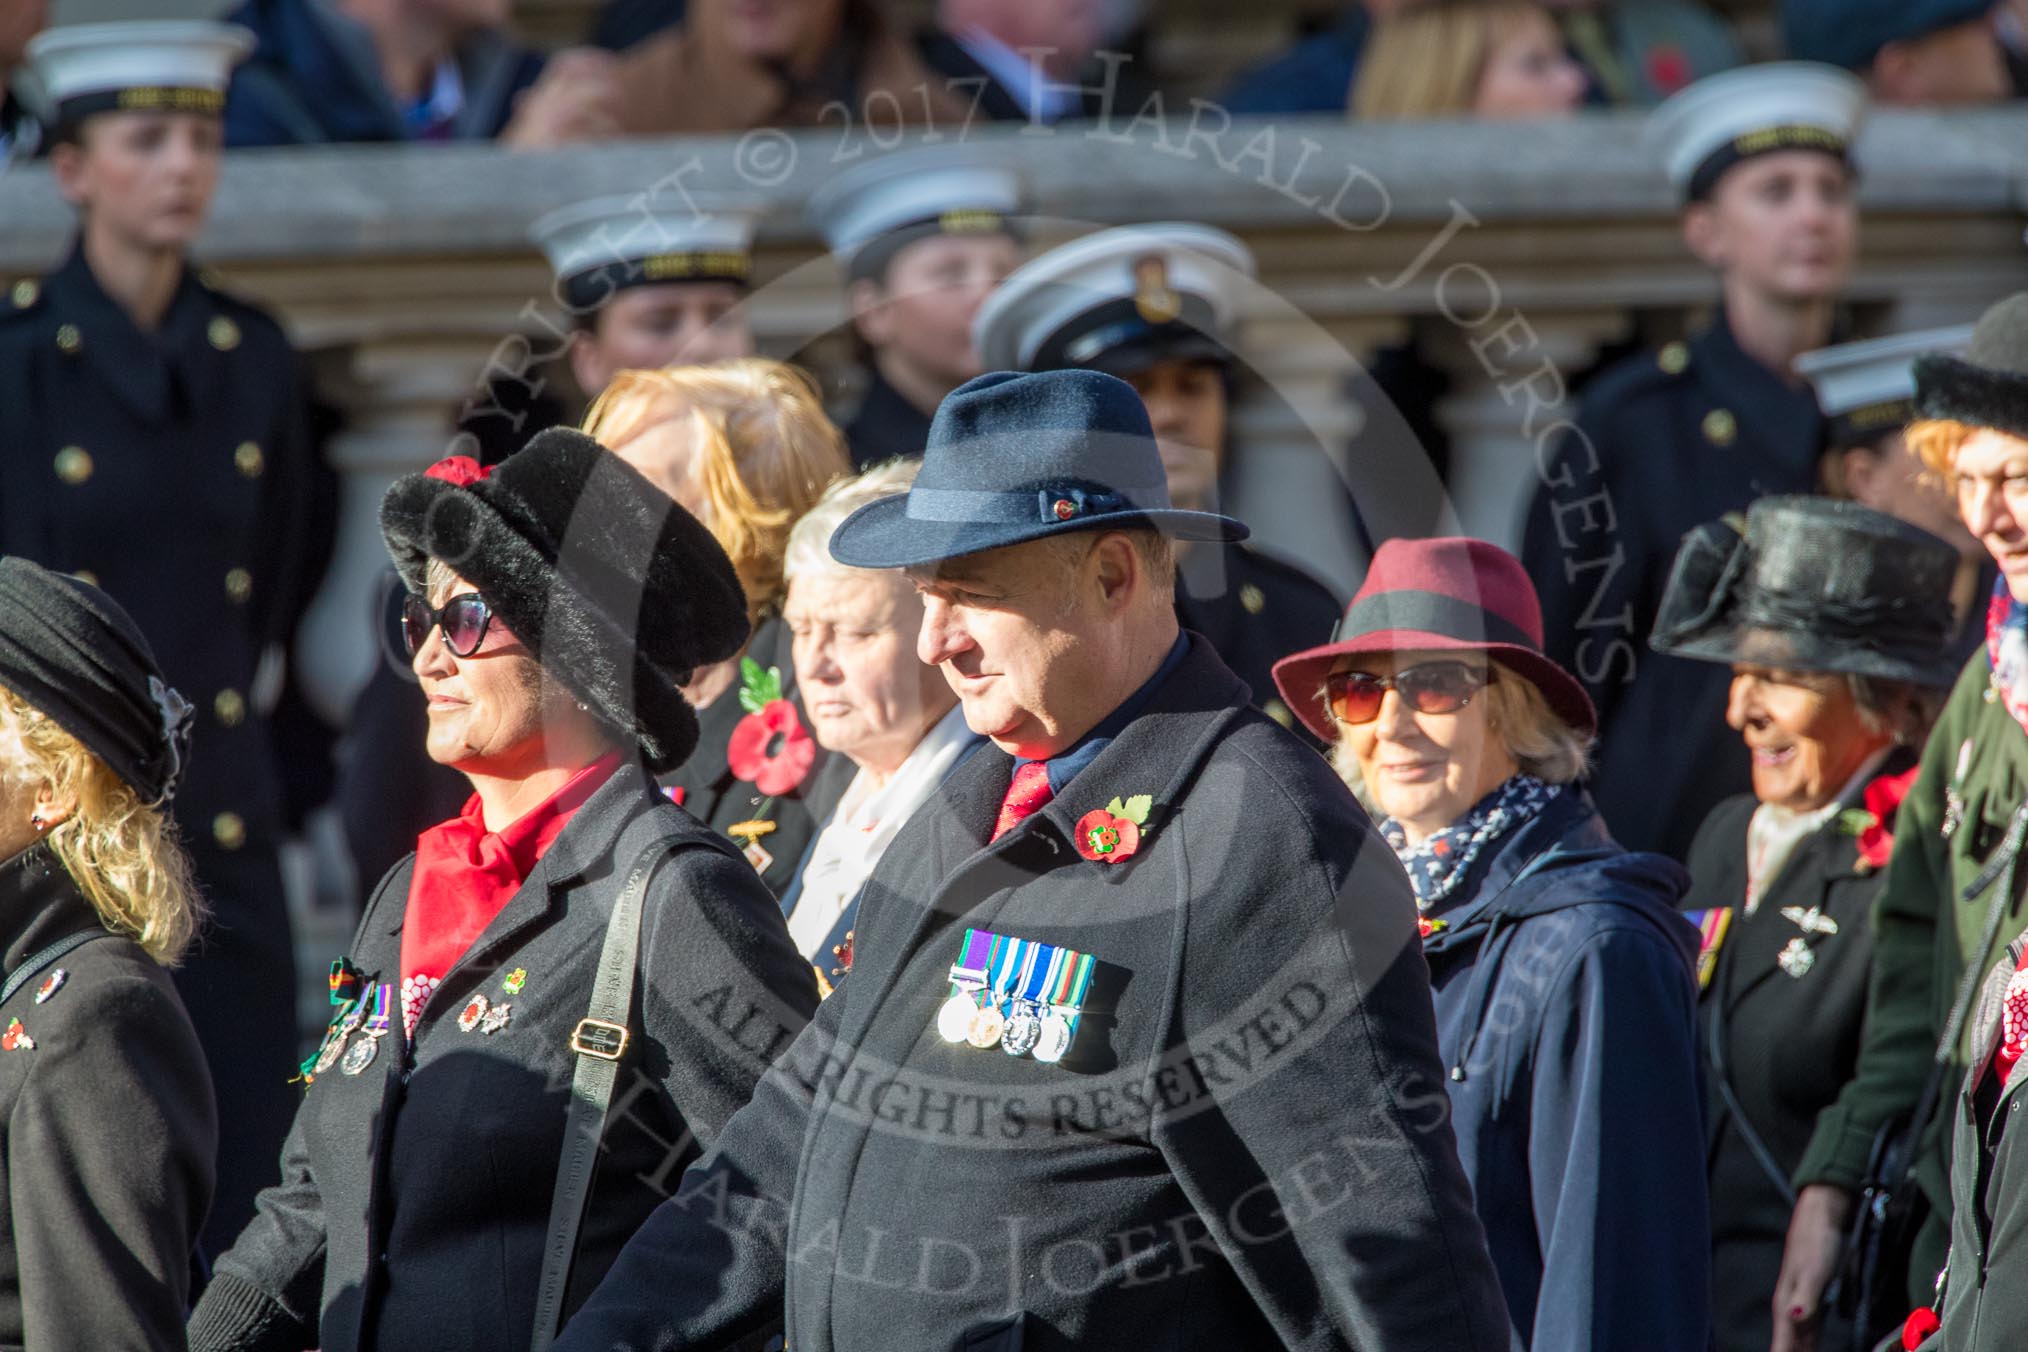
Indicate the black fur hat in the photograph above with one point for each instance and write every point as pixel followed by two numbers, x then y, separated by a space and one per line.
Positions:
pixel 618 592
pixel 1988 386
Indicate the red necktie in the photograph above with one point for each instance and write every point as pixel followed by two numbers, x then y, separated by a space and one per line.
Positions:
pixel 1025 797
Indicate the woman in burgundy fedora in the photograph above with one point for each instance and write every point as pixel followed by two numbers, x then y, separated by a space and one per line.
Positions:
pixel 1561 972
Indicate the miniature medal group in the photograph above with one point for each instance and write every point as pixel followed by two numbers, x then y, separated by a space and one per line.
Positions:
pixel 1018 995
pixel 364 1012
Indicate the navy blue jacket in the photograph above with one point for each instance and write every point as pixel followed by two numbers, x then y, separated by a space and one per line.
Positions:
pixel 313 78
pixel 1566 1016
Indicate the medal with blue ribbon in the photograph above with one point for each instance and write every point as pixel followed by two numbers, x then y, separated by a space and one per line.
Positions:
pixel 1020 995
pixel 1039 974
pixel 1066 1003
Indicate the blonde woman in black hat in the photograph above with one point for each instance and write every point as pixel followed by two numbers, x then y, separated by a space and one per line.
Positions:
pixel 561 996
pixel 1668 439
pixel 107 1132
pixel 1835 621
pixel 158 443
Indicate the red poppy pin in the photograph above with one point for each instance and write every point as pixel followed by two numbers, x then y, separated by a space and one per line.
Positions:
pixel 770 748
pixel 459 471
pixel 1873 824
pixel 1112 833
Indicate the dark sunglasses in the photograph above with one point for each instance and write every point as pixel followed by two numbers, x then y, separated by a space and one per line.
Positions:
pixel 1427 688
pixel 464 619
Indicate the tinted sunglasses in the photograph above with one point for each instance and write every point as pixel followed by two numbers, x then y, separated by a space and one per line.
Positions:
pixel 1427 688
pixel 464 619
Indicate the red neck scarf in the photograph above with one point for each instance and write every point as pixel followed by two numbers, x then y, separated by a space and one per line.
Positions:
pixel 465 875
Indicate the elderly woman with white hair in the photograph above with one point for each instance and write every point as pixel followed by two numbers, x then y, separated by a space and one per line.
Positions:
pixel 853 640
pixel 1560 970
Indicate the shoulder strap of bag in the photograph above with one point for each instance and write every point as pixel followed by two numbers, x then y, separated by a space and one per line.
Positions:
pixel 599 1040
pixel 35 962
pixel 1721 1076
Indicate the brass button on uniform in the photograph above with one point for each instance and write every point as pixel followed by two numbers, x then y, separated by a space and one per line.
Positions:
pixel 68 340
pixel 229 830
pixel 223 333
pixel 1720 427
pixel 1674 359
pixel 248 459
pixel 238 586
pixel 1252 598
pixel 26 292
pixel 230 707
pixel 73 465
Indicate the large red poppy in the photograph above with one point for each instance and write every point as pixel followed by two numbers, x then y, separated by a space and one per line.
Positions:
pixel 771 749
pixel 1883 799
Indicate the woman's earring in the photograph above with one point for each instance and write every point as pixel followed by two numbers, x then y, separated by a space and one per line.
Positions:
pixel 35 820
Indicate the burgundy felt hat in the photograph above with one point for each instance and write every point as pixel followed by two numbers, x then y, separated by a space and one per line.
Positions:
pixel 1451 593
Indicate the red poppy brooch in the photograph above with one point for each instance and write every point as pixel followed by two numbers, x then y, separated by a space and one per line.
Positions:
pixel 1112 833
pixel 770 748
pixel 459 471
pixel 1873 824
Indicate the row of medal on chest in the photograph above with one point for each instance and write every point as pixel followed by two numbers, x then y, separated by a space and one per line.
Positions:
pixel 1019 995
pixel 365 1013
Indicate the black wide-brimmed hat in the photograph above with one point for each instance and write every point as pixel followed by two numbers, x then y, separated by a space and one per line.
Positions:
pixel 1814 584
pixel 619 592
pixel 75 656
pixel 1013 458
pixel 1988 385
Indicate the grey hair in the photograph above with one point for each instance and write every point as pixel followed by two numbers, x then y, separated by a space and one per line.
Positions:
pixel 437 578
pixel 1903 710
pixel 809 547
pixel 1540 742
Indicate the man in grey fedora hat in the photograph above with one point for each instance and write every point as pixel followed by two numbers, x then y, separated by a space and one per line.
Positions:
pixel 1137 1048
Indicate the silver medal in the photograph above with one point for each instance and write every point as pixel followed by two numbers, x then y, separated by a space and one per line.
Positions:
pixel 1797 959
pixel 334 1047
pixel 1023 1030
pixel 1053 1039
pixel 360 1055
pixel 954 1020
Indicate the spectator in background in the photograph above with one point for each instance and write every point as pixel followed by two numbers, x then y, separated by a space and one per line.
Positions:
pixel 745 447
pixel 1495 59
pixel 158 437
pixel 924 238
pixel 1635 52
pixel 1156 305
pixel 20 133
pixel 1559 969
pixel 1024 58
pixel 872 703
pixel 1833 620
pixel 1867 392
pixel 1664 441
pixel 731 66
pixel 1911 53
pixel 408 70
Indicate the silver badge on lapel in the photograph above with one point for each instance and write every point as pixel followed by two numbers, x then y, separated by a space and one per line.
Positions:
pixel 1798 958
pixel 1954 802
pixel 1811 922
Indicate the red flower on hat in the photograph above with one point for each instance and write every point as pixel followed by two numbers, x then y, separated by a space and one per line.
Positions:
pixel 1110 834
pixel 770 747
pixel 458 470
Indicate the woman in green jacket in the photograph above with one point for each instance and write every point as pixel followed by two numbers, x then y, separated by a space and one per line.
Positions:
pixel 1932 922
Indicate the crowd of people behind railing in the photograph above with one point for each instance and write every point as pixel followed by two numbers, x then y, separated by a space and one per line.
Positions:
pixel 923 878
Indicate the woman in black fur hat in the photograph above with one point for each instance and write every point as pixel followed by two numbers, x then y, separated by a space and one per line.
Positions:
pixel 433 1190
pixel 108 1138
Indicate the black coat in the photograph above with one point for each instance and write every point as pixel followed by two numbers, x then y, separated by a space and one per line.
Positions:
pixel 414 1200
pixel 1665 441
pixel 1788 1044
pixel 1260 1020
pixel 709 791
pixel 176 468
pixel 988 99
pixel 107 1156
pixel 1255 610
pixel 885 425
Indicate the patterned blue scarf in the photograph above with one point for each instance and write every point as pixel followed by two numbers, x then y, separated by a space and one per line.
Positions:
pixel 1439 863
